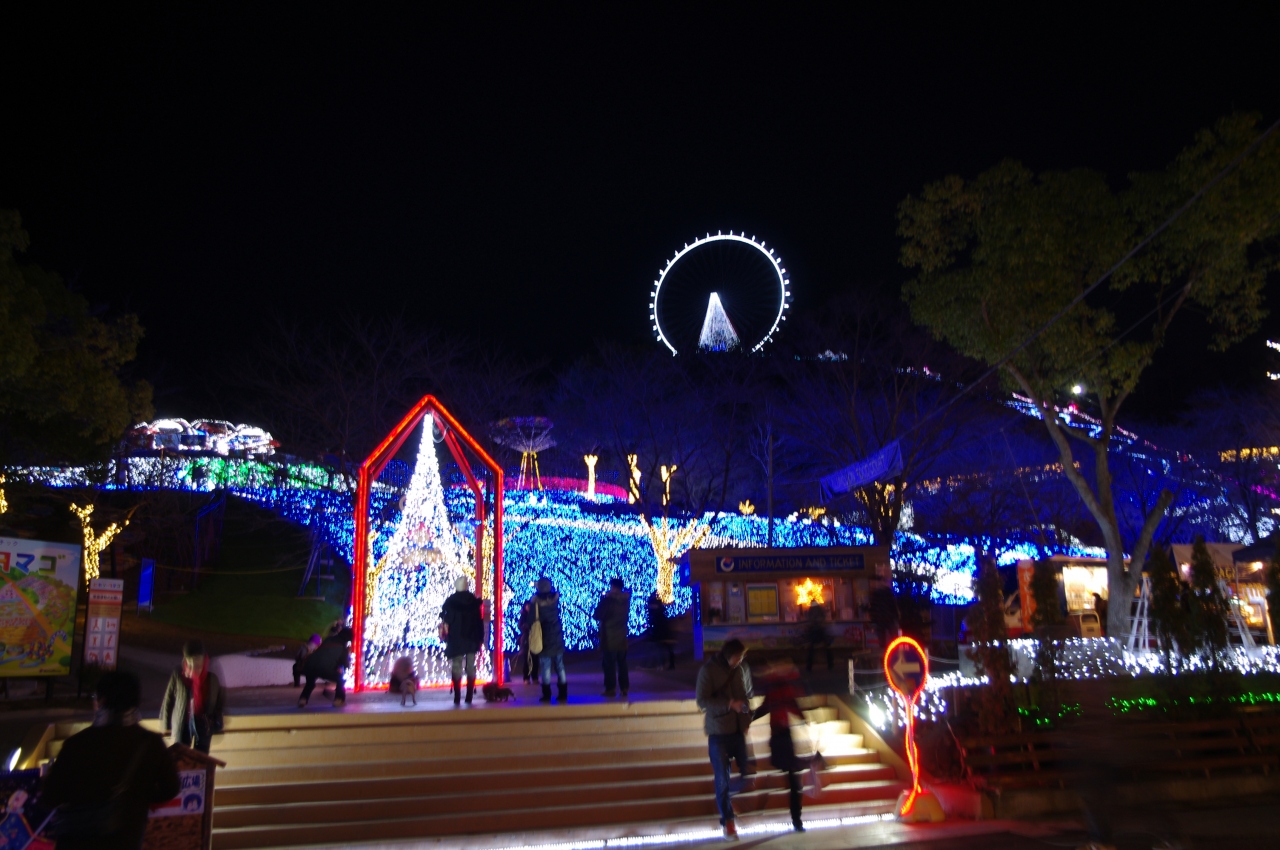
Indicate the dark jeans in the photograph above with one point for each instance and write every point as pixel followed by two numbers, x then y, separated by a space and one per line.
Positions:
pixel 335 676
pixel 546 662
pixel 814 642
pixel 197 734
pixel 722 748
pixel 615 671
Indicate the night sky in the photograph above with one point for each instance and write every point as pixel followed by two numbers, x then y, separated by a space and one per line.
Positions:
pixel 520 175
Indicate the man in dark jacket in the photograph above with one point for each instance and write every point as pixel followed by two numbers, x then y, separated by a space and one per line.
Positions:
pixel 115 751
pixel 464 632
pixel 611 613
pixel 724 695
pixel 329 662
pixel 546 606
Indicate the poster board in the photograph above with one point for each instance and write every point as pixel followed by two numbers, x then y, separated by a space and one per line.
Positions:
pixel 39 582
pixel 186 821
pixel 102 629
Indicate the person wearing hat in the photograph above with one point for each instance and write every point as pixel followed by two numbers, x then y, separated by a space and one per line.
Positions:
pixel 546 604
pixel 192 707
pixel 611 613
pixel 463 633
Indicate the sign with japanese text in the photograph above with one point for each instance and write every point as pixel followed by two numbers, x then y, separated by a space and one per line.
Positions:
pixel 38 587
pixel 102 630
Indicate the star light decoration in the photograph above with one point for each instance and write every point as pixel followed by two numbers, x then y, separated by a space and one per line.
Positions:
pixel 95 543
pixel 809 593
pixel 408 584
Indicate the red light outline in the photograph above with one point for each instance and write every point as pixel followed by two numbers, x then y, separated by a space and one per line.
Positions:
pixel 909 701
pixel 372 467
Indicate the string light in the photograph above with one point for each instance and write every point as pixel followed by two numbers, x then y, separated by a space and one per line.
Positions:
pixel 409 582
pixel 809 593
pixel 670 542
pixel 667 473
pixel 633 495
pixel 717 331
pixel 4 503
pixel 591 474
pixel 746 508
pixel 94 543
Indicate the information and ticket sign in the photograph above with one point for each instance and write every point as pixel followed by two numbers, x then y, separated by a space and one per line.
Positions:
pixel 102 634
pixel 38 587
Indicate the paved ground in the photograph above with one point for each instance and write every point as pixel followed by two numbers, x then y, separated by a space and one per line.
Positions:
pixel 1244 825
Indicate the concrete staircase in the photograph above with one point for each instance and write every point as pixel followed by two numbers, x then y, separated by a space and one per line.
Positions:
pixel 332 777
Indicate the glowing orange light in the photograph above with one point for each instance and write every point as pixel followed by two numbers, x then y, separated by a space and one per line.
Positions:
pixel 809 593
pixel 908 702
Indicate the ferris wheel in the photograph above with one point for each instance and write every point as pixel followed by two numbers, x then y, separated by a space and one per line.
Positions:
pixel 723 292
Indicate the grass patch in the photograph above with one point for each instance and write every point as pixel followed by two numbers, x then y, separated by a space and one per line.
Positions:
pixel 251 587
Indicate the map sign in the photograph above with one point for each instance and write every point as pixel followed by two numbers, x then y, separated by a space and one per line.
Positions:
pixel 38 586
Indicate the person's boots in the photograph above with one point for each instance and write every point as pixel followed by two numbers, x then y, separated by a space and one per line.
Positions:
pixel 471 688
pixel 563 694
pixel 457 691
pixel 546 694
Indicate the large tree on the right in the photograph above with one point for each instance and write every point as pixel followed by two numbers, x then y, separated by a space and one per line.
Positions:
pixel 1001 254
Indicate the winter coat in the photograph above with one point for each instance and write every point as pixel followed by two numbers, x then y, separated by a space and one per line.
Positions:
pixel 612 613
pixel 548 608
pixel 718 685
pixel 461 613
pixel 659 622
pixel 175 708
pixel 329 656
pixel 781 703
pixel 93 762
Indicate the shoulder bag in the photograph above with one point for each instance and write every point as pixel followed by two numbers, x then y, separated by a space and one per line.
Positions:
pixel 535 632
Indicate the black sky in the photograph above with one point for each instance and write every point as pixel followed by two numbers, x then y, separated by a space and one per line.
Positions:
pixel 521 174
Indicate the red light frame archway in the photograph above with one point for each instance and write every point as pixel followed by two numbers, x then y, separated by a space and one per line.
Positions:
pixel 456 438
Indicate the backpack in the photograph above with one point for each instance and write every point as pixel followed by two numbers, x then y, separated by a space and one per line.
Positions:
pixel 535 632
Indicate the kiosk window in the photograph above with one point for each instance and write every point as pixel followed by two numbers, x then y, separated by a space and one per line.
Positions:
pixel 762 601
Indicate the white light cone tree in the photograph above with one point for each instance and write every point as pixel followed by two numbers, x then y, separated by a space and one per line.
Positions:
pixel 717 331
pixel 411 581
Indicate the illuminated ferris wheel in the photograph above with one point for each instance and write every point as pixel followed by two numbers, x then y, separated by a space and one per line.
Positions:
pixel 723 292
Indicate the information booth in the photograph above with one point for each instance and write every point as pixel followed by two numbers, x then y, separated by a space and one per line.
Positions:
pixel 765 597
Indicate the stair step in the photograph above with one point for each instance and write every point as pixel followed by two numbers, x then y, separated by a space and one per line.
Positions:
pixel 678 778
pixel 821 715
pixel 880 795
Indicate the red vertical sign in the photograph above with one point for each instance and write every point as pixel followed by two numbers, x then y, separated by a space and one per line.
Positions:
pixel 102 632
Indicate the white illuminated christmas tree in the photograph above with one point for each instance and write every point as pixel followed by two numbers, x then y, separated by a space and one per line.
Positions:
pixel 423 559
pixel 717 331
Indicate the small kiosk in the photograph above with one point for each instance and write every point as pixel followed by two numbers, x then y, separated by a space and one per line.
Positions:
pixel 764 597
